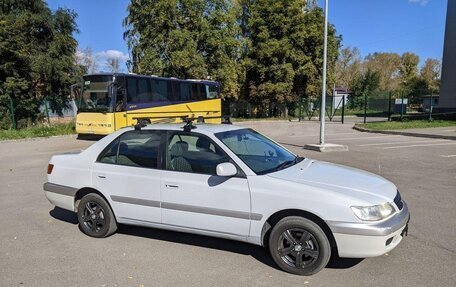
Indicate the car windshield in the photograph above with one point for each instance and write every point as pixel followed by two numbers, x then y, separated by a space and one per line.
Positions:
pixel 95 94
pixel 257 151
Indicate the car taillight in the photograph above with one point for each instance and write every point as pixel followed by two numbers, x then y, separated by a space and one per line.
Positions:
pixel 50 167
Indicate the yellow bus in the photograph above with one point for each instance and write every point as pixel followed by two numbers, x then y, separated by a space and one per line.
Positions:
pixel 108 102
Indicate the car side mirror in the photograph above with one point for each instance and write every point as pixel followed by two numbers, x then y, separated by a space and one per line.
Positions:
pixel 226 169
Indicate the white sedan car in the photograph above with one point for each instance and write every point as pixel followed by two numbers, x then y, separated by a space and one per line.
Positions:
pixel 231 182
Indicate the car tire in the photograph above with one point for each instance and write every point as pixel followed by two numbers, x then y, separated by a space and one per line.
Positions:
pixel 95 217
pixel 299 246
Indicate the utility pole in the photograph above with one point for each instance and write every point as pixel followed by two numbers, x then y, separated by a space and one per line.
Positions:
pixel 323 89
pixel 322 146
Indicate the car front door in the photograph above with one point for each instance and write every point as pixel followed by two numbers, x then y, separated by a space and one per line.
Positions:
pixel 193 196
pixel 128 171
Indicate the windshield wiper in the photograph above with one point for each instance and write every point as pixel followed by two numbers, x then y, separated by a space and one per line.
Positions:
pixel 288 163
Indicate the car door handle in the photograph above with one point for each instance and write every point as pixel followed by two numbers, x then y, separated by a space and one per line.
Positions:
pixel 171 186
pixel 101 176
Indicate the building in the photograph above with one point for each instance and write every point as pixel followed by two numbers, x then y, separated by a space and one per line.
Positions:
pixel 427 102
pixel 340 94
pixel 448 84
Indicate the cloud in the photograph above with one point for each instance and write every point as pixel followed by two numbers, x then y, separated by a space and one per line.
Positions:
pixel 112 54
pixel 80 54
pixel 98 61
pixel 421 2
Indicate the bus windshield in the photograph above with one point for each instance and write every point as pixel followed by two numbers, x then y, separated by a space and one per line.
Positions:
pixel 95 95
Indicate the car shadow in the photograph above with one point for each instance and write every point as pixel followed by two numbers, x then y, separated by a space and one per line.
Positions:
pixel 259 253
pixel 342 263
pixel 64 215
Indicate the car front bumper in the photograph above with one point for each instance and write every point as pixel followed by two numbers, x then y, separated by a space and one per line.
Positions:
pixel 360 240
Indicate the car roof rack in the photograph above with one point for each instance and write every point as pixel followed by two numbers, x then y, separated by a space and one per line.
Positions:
pixel 188 127
pixel 140 125
pixel 144 121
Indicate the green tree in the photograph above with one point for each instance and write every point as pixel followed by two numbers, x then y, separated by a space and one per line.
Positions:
pixel 408 70
pixel 185 39
pixel 222 44
pixel 424 84
pixel 363 86
pixel 37 52
pixel 163 37
pixel 285 52
pixel 388 66
pixel 348 66
pixel 430 73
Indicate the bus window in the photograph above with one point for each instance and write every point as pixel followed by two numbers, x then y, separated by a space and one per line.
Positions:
pixel 213 92
pixel 198 92
pixel 195 93
pixel 173 91
pixel 184 91
pixel 159 90
pixel 120 94
pixel 144 93
pixel 120 100
pixel 138 90
pixel 95 96
pixel 131 90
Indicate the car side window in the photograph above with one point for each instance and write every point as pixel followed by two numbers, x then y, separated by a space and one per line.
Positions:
pixel 134 148
pixel 193 153
pixel 109 154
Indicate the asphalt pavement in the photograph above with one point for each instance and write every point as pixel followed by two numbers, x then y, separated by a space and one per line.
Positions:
pixel 41 245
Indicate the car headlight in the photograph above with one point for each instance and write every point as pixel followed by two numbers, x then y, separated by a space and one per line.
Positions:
pixel 373 213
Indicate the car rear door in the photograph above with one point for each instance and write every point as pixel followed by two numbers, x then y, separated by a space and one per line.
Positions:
pixel 128 171
pixel 193 196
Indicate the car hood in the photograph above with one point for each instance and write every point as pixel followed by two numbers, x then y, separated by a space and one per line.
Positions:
pixel 341 179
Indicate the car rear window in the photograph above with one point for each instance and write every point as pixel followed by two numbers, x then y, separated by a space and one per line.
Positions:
pixel 134 148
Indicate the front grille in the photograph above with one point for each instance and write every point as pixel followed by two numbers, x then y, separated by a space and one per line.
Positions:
pixel 398 201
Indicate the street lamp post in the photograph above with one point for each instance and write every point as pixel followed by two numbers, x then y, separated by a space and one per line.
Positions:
pixel 323 89
pixel 322 146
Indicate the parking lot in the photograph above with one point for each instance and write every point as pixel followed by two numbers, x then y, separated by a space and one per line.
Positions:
pixel 42 246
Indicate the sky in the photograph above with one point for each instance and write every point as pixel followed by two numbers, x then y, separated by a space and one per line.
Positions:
pixel 399 26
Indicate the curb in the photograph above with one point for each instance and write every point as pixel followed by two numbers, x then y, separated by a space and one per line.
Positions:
pixel 36 138
pixel 431 136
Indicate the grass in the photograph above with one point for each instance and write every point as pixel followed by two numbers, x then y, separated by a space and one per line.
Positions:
pixel 415 124
pixel 38 131
pixel 360 113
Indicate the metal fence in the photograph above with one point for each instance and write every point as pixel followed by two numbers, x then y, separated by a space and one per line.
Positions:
pixel 46 113
pixel 303 109
pixel 375 106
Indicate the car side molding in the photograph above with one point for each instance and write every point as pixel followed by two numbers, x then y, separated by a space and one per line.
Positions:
pixel 189 208
pixel 60 189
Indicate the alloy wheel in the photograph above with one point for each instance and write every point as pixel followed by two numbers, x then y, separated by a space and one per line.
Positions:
pixel 298 248
pixel 93 216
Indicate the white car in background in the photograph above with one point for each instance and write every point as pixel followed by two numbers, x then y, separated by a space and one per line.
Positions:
pixel 230 182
